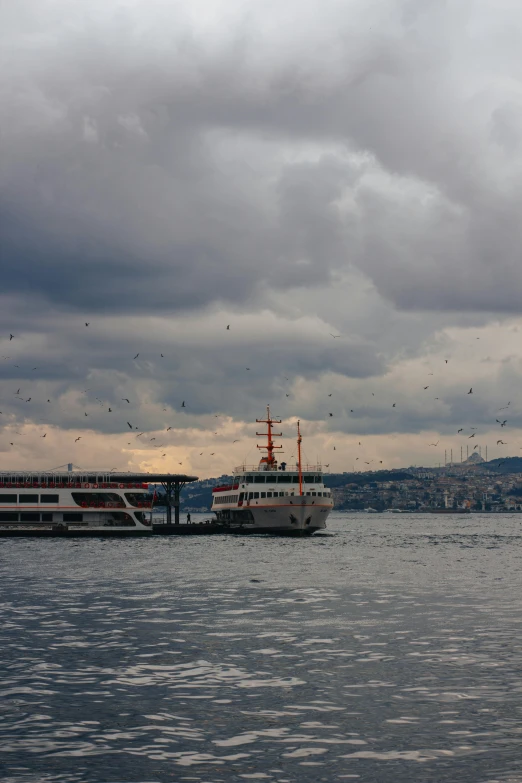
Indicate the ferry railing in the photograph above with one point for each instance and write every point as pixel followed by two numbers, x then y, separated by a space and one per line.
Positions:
pixel 288 469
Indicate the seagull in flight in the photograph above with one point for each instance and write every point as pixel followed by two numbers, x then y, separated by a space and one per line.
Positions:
pixel 471 391
pixel 502 423
pixel 183 404
pixel 87 324
pixel 501 442
pixel 228 327
pixel 11 337
pixel 434 444
pixel 461 430
pixel 136 356
pixel 77 439
pixel 129 425
pixel 334 335
pixel 471 436
pixel 169 428
pixel 426 387
pixel 124 399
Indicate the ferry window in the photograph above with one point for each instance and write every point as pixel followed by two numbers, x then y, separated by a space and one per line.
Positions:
pixel 295 479
pixel 249 479
pixel 263 494
pixel 318 479
pixel 29 516
pixel 259 479
pixel 8 516
pixel 8 498
pixel 72 517
pixel 309 479
pixel 241 495
pixel 119 519
pixel 48 498
pixel 284 479
pixel 47 517
pixel 314 494
pixel 137 497
pixel 250 495
pixel 269 494
pixel 256 495
pixel 28 499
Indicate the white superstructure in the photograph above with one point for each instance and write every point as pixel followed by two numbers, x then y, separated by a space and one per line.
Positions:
pixel 274 498
pixel 95 503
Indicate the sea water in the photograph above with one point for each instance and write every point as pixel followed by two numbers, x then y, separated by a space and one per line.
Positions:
pixel 388 650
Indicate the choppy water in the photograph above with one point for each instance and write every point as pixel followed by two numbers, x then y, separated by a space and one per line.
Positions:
pixel 390 651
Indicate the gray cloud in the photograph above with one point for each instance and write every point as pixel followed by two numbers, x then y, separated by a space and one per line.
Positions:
pixel 303 169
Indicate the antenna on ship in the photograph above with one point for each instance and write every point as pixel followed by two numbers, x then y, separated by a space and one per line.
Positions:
pixel 269 460
pixel 299 439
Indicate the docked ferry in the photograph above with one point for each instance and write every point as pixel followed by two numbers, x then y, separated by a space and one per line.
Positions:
pixel 271 497
pixel 78 503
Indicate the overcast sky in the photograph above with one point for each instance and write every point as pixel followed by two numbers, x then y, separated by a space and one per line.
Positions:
pixel 295 170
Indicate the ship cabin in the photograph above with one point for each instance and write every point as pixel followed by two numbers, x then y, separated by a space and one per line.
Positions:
pixel 258 485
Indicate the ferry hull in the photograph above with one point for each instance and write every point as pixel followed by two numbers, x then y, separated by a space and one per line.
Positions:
pixel 296 519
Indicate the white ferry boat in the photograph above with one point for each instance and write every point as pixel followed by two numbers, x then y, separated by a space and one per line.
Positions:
pixel 80 503
pixel 272 498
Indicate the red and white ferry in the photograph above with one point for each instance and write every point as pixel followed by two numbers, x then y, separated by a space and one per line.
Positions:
pixel 274 498
pixel 79 503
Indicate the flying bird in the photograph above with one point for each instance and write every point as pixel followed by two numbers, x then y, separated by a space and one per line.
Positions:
pixel 461 430
pixel 125 399
pixel 471 436
pixel 212 453
pixel 183 404
pixel 235 441
pixel 393 406
pixel 434 444
pixel 162 358
pixel 169 428
pixel 502 423
pixel 471 390
pixel 501 442
pixel 110 410
pixel 11 337
pixel 87 324
pixel 247 368
pixel 77 439
pixel 228 327
pixel 29 399
pixel 129 425
pixel 426 387
pixel 17 391
pixel 85 414
pixel 330 414
pixel 136 356
pixel 334 335
pixel 43 436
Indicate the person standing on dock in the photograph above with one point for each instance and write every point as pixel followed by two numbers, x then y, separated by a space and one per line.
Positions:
pixel 188 518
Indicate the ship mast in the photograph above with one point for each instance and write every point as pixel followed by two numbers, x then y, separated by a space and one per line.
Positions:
pixel 299 439
pixel 269 459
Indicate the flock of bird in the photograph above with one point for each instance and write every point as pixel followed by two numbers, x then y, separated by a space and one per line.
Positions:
pixel 114 406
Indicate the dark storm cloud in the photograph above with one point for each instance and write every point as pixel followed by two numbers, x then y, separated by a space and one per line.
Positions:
pixel 116 192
